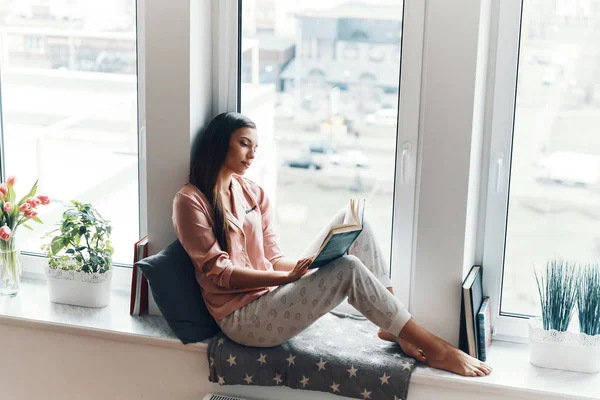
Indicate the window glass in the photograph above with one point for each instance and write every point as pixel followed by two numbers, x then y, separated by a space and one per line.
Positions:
pixel 554 200
pixel 327 132
pixel 69 108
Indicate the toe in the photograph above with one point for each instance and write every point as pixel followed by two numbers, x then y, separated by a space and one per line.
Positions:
pixel 485 368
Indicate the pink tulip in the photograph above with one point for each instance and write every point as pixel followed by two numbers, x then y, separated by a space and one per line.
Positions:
pixel 8 207
pixel 25 207
pixel 33 201
pixel 5 233
pixel 3 190
pixel 10 182
pixel 45 200
pixel 31 213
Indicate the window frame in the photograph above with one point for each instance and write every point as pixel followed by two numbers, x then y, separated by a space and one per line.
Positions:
pixel 187 101
pixel 505 61
pixel 407 129
pixel 33 264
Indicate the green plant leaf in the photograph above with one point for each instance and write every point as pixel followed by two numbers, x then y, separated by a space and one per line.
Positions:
pixel 588 299
pixel 30 194
pixel 56 245
pixel 86 236
pixel 27 226
pixel 37 219
pixel 558 288
pixel 11 195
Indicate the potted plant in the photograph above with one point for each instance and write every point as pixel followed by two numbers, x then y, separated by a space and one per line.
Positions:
pixel 553 341
pixel 14 213
pixel 588 300
pixel 79 254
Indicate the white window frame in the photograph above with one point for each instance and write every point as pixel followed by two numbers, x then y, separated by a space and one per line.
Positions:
pixel 33 265
pixel 169 113
pixel 437 186
pixel 506 54
pixel 402 257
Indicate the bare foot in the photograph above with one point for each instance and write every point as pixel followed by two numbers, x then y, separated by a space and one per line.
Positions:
pixel 408 348
pixel 451 359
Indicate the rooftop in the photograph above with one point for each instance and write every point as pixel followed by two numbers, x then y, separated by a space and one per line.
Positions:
pixel 357 10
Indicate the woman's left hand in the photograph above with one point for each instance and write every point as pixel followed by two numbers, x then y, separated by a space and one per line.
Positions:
pixel 300 269
pixel 308 260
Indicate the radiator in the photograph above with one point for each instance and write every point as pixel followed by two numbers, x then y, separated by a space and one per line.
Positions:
pixel 211 396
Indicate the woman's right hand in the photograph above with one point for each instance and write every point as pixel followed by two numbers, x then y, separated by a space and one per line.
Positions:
pixel 300 269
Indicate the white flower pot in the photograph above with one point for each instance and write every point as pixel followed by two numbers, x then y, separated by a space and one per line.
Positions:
pixel 571 351
pixel 79 288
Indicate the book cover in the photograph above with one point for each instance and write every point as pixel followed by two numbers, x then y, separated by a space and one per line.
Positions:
pixel 484 327
pixel 472 297
pixel 138 303
pixel 337 246
pixel 341 237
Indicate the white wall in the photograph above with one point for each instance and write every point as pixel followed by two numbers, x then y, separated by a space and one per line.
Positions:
pixel 450 139
pixel 178 76
pixel 476 172
pixel 49 365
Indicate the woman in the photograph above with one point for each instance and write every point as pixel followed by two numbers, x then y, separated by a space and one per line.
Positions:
pixel 257 296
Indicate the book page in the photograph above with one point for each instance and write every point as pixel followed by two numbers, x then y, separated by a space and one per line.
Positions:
pixel 353 212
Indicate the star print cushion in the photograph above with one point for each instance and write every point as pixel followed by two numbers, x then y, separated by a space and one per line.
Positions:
pixel 337 354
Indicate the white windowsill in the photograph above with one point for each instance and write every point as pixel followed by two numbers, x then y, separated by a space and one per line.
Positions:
pixel 32 308
pixel 513 375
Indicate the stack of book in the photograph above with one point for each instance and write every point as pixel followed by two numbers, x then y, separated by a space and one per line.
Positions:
pixel 476 329
pixel 138 304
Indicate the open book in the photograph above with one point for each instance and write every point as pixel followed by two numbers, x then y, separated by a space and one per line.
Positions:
pixel 340 237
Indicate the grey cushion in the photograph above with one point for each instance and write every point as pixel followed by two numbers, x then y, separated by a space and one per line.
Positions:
pixel 338 354
pixel 171 276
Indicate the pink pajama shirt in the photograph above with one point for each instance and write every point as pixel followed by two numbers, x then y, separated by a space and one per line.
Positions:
pixel 269 316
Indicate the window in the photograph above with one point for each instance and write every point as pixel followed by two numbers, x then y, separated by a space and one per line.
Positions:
pixel 544 191
pixel 351 51
pixel 33 44
pixel 69 114
pixel 376 54
pixel 320 146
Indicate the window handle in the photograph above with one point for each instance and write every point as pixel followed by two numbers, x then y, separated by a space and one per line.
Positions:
pixel 499 167
pixel 406 148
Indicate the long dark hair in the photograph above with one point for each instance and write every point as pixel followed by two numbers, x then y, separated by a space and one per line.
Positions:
pixel 209 152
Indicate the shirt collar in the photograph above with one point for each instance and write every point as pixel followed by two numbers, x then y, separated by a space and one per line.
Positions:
pixel 240 205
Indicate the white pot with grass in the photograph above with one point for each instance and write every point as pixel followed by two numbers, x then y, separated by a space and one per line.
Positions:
pixel 79 254
pixel 554 341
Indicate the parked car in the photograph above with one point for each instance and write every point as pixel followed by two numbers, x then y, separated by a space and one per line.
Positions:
pixel 304 160
pixel 321 148
pixel 569 168
pixel 353 158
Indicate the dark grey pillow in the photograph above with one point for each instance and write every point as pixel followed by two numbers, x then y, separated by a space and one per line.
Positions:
pixel 171 276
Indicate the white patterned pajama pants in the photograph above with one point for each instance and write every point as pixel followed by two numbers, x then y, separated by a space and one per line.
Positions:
pixel 362 277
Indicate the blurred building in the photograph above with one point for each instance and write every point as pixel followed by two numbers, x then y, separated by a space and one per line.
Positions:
pixel 264 53
pixel 352 45
pixel 69 34
pixel 273 53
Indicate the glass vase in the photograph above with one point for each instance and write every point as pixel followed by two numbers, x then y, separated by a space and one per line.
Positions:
pixel 10 268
